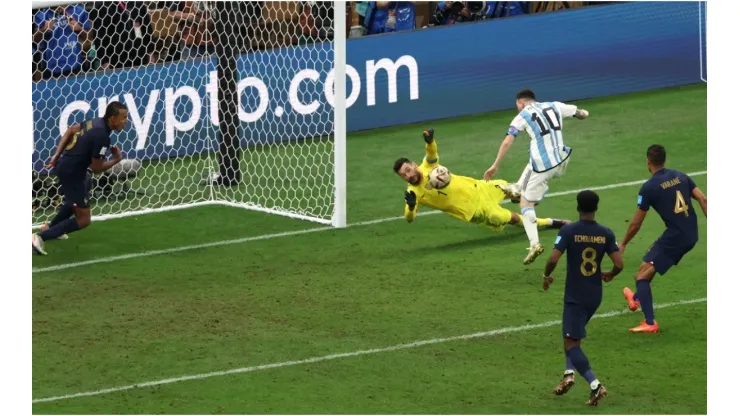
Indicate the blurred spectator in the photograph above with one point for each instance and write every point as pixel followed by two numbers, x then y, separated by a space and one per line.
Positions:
pixel 389 16
pixel 317 21
pixel 550 6
pixel 497 9
pixel 451 12
pixel 62 35
pixel 361 10
pixel 123 34
pixel 36 69
pixel 37 60
pixel 196 27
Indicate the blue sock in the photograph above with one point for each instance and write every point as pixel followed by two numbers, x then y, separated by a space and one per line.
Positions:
pixel 65 211
pixel 580 361
pixel 646 300
pixel 569 363
pixel 590 376
pixel 65 227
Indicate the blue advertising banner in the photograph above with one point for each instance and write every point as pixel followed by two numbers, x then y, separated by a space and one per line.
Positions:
pixel 392 79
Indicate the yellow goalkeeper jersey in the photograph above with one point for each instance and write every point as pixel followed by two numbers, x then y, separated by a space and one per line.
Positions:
pixel 460 198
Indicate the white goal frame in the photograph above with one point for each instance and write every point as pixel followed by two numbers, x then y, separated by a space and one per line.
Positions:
pixel 339 213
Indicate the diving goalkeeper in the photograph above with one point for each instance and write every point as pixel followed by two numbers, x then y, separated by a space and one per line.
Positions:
pixel 472 200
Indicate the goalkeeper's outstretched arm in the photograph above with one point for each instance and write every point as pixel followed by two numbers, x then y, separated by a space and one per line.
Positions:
pixel 432 156
pixel 411 207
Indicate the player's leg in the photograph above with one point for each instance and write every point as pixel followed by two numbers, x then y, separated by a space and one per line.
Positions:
pixel 516 220
pixel 75 192
pixel 523 179
pixel 569 375
pixel 575 319
pixel 534 189
pixel 659 259
pixel 64 211
pixel 496 217
pixel 644 298
pixel 508 190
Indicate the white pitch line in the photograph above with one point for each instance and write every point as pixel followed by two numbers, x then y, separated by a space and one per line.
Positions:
pixel 291 233
pixel 312 360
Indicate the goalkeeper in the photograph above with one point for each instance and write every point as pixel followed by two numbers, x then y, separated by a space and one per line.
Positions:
pixel 472 200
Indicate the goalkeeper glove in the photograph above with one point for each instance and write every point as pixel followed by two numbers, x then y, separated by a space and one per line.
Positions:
pixel 428 136
pixel 411 199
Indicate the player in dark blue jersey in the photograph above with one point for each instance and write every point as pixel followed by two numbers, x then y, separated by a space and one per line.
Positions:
pixel 669 192
pixel 586 242
pixel 82 146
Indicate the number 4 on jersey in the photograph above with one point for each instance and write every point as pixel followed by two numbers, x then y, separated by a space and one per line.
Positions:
pixel 681 205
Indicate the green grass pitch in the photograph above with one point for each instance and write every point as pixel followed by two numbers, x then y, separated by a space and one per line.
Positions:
pixel 377 285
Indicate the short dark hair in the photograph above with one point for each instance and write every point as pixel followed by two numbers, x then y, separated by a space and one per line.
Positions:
pixel 399 163
pixel 113 108
pixel 656 155
pixel 529 94
pixel 588 201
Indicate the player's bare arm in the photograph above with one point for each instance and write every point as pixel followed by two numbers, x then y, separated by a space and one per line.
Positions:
pixel 633 228
pixel 71 131
pixel 616 269
pixel 699 196
pixel 581 114
pixel 552 262
pixel 99 166
pixel 502 151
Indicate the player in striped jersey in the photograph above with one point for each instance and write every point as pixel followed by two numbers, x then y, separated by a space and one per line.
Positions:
pixel 548 156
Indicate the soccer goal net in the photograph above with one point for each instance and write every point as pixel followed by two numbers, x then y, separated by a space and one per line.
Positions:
pixel 230 103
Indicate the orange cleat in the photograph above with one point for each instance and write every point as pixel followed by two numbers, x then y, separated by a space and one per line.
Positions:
pixel 644 327
pixel 629 295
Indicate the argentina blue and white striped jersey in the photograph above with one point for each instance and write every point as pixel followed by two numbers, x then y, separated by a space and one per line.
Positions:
pixel 544 123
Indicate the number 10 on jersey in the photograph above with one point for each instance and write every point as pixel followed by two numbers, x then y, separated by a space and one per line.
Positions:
pixel 552 121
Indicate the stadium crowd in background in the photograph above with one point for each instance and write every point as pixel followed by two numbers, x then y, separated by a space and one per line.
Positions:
pixel 92 36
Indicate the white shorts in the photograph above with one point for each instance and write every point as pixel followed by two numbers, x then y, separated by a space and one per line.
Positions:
pixel 534 186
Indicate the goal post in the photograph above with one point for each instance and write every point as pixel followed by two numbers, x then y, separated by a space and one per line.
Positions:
pixel 339 218
pixel 230 103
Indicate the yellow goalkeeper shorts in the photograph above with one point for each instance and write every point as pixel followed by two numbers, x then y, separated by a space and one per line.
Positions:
pixel 489 211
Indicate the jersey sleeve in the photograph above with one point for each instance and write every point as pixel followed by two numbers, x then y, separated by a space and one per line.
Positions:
pixel 101 143
pixel 431 158
pixel 566 110
pixel 561 241
pixel 517 124
pixel 643 198
pixel 611 243
pixel 691 183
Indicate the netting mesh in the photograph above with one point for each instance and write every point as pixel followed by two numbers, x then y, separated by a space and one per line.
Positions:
pixel 227 103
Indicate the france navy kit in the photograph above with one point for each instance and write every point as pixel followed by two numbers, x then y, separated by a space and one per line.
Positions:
pixel 669 192
pixel 92 142
pixel 585 243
